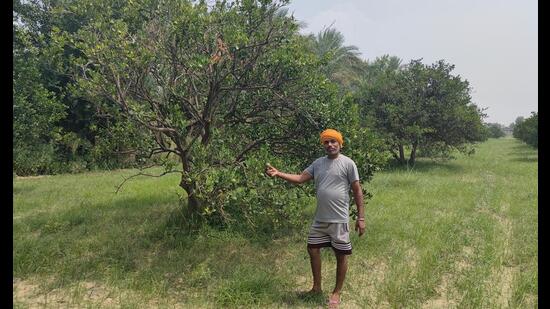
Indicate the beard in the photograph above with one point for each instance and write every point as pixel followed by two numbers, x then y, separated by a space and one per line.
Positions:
pixel 332 151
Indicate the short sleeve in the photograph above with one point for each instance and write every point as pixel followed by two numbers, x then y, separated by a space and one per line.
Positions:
pixel 353 173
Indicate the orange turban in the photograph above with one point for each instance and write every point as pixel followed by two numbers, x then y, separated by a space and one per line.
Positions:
pixel 330 133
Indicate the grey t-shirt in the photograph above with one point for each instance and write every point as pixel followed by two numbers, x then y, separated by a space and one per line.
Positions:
pixel 333 178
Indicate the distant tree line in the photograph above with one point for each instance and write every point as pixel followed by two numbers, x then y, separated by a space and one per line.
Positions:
pixel 495 130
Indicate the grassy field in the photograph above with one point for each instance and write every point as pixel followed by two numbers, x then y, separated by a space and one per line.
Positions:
pixel 458 234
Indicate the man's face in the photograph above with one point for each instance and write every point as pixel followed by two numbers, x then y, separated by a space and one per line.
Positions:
pixel 332 147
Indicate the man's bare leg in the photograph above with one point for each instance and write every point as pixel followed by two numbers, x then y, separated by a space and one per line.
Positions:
pixel 315 259
pixel 341 269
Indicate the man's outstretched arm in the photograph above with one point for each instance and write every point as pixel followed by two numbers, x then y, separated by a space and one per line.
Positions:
pixel 293 178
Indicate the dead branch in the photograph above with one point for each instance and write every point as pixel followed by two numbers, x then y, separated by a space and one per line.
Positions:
pixel 118 187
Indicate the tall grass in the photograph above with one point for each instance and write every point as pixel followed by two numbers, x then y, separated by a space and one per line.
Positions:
pixel 462 233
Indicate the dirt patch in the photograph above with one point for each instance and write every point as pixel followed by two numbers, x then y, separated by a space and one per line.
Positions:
pixel 30 177
pixel 447 295
pixel 506 274
pixel 468 251
pixel 302 280
pixel 506 285
pixel 97 293
pixel 469 179
pixel 530 301
pixel 377 270
pixel 502 276
pixel 444 300
pixel 412 257
pixel 464 262
pixel 30 294
pixel 348 304
pixel 373 274
pixel 436 303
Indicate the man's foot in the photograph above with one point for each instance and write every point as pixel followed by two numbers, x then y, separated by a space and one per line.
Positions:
pixel 333 301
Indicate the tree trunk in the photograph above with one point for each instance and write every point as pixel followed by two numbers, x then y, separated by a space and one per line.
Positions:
pixel 394 154
pixel 187 184
pixel 206 133
pixel 402 159
pixel 193 203
pixel 413 153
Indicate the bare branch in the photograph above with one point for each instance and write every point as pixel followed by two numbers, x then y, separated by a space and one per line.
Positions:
pixel 248 148
pixel 119 186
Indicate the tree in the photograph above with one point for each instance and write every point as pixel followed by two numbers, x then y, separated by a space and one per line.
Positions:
pixel 36 110
pixel 85 135
pixel 421 107
pixel 212 84
pixel 341 62
pixel 526 129
pixel 379 96
pixel 495 130
pixel 381 65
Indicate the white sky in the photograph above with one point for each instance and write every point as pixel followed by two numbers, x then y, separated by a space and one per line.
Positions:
pixel 493 44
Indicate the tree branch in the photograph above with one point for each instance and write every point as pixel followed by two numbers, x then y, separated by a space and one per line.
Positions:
pixel 118 187
pixel 248 148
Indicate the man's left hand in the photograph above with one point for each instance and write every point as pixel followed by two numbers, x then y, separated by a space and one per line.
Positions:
pixel 360 227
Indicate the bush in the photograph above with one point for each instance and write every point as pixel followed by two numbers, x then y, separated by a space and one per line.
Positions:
pixel 34 160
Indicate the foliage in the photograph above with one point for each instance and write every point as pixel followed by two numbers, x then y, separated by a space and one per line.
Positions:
pixel 78 142
pixel 380 66
pixel 224 88
pixel 527 129
pixel 422 107
pixel 495 130
pixel 341 63
pixel 36 110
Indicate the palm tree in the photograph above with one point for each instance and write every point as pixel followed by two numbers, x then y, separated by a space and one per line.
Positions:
pixel 383 64
pixel 343 64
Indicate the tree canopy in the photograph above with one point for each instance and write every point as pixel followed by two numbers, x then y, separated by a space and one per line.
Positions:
pixel 423 107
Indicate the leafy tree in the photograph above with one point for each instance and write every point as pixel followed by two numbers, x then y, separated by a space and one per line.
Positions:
pixel 341 62
pixel 380 94
pixel 214 85
pixel 36 110
pixel 495 130
pixel 421 107
pixel 85 135
pixel 385 64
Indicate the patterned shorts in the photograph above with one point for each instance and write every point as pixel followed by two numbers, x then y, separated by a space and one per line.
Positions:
pixel 327 234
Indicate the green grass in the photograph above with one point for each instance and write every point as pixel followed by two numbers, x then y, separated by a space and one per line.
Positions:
pixel 462 233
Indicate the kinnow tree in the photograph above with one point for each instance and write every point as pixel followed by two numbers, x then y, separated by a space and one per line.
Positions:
pixel 213 84
pixel 421 107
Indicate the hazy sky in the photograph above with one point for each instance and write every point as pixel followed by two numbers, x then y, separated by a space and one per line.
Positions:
pixel 493 44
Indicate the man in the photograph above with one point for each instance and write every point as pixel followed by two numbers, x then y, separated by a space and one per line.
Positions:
pixel 334 174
